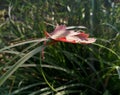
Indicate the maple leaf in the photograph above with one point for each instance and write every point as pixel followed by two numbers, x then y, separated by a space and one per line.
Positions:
pixel 62 34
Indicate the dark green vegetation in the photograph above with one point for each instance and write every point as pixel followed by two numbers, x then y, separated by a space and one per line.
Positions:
pixel 67 68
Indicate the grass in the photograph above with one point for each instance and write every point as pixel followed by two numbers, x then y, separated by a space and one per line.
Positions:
pixel 67 68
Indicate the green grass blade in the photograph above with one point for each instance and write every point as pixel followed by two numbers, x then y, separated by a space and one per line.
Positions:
pixel 118 56
pixel 21 61
pixel 25 88
pixel 23 43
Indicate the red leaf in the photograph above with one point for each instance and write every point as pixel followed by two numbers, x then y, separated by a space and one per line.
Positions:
pixel 61 34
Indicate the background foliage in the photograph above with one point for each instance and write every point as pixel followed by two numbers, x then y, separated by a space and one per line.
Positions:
pixel 67 68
